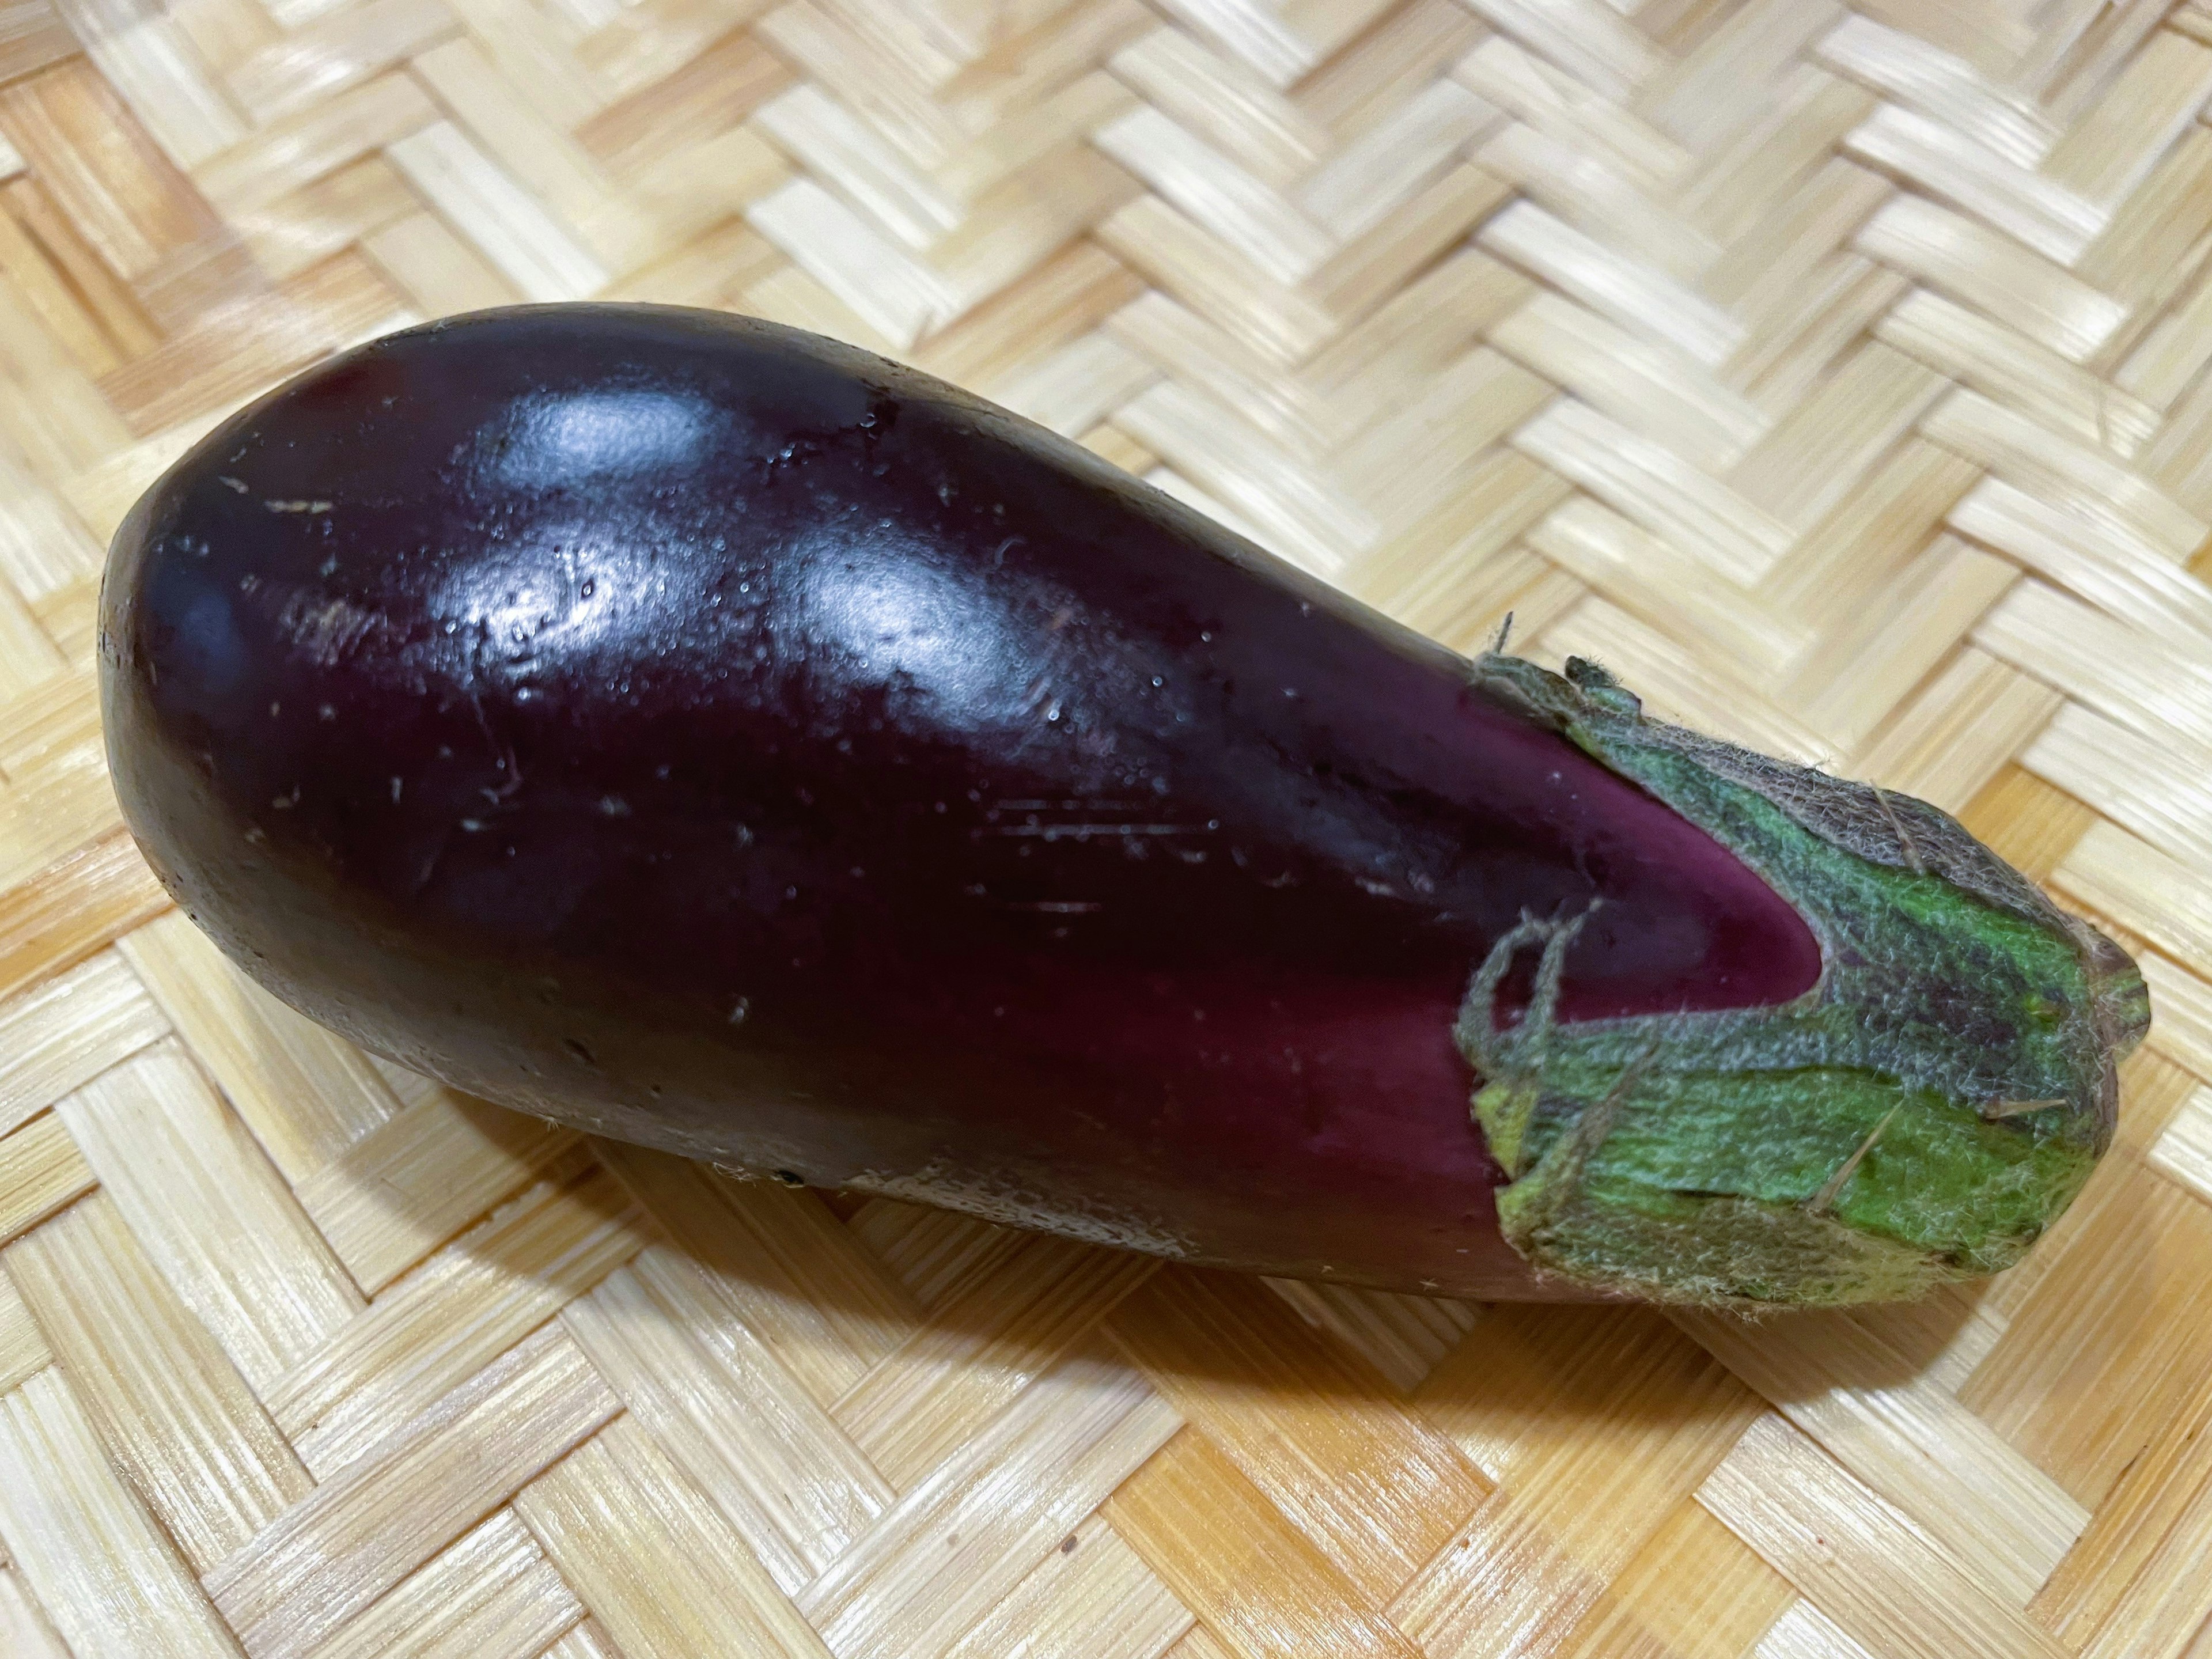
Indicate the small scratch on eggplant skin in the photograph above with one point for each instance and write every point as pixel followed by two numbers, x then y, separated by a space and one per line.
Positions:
pixel 1084 832
pixel 327 630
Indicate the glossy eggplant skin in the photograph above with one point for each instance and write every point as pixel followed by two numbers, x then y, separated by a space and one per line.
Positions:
pixel 721 738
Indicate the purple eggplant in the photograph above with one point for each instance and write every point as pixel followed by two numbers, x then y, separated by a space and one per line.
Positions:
pixel 717 737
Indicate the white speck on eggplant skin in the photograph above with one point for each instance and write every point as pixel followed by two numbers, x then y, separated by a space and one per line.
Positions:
pixel 647 628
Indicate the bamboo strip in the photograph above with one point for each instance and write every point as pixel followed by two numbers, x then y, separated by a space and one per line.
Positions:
pixel 1402 1337
pixel 1187 261
pixel 1378 55
pixel 1864 1563
pixel 952 1545
pixel 23 1627
pixel 509 227
pixel 2046 1386
pixel 73 908
pixel 235 350
pixel 94 315
pixel 1908 1442
pixel 2032 207
pixel 729 1416
pixel 23 1351
pixel 1693 1591
pixel 1661 393
pixel 138 212
pixel 589 1640
pixel 1252 219
pixel 2182 1020
pixel 430 1332
pixel 934 1254
pixel 2173 350
pixel 491 1593
pixel 1648 484
pixel 1174 340
pixel 1369 1482
pixel 1982 269
pixel 1352 193
pixel 2058 469
pixel 1225 103
pixel 1943 85
pixel 43 548
pixel 1555 173
pixel 40 1171
pixel 1255 1582
pixel 306 1096
pixel 374 1522
pixel 1805 1632
pixel 209 1210
pixel 1590 1486
pixel 51 410
pixel 1959 733
pixel 2142 112
pixel 286 154
pixel 2099 662
pixel 2184 1152
pixel 1090 1598
pixel 60 1035
pixel 654 1559
pixel 2157 789
pixel 101 1569
pixel 2143 889
pixel 724 83
pixel 2130 1585
pixel 174 1416
pixel 342 48
pixel 415 1179
pixel 1297 518
pixel 1645 302
pixel 779 1262
pixel 59 806
pixel 2022 373
pixel 2118 572
pixel 1898 508
pixel 1416 457
pixel 1849 683
pixel 982 1346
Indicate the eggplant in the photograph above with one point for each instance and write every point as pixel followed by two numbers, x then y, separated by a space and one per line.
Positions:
pixel 718 737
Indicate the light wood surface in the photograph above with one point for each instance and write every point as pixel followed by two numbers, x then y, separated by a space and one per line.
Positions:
pixel 1837 376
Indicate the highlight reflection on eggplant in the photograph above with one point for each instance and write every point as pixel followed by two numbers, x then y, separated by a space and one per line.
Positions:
pixel 718 737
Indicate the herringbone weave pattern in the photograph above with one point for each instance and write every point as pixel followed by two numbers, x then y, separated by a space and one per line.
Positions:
pixel 1835 375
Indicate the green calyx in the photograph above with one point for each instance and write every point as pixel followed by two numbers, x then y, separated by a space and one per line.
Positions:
pixel 1924 1113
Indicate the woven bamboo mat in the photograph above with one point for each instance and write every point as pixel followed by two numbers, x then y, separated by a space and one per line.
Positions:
pixel 1836 376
